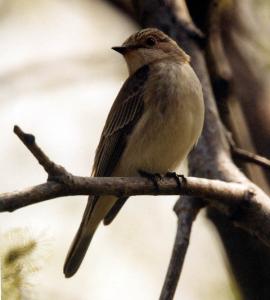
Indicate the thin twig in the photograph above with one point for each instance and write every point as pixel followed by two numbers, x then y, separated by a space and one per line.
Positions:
pixel 29 141
pixel 247 156
pixel 186 209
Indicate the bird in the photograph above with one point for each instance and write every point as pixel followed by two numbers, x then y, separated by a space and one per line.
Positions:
pixel 154 122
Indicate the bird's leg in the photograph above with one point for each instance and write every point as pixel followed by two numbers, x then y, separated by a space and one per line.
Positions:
pixel 154 177
pixel 176 177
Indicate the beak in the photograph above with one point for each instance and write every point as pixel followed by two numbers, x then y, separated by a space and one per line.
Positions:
pixel 122 49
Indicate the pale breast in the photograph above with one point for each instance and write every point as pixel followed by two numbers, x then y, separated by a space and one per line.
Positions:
pixel 171 124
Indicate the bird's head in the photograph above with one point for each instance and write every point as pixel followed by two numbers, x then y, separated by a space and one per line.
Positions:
pixel 147 46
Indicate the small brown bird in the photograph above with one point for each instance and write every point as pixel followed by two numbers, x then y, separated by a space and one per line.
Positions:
pixel 154 122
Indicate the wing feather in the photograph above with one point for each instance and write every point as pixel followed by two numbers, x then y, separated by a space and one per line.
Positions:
pixel 124 114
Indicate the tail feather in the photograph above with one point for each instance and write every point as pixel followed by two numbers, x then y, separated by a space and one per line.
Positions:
pixel 80 243
pixel 94 213
pixel 113 212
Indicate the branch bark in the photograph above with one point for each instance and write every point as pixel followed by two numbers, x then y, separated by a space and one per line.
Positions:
pixel 226 196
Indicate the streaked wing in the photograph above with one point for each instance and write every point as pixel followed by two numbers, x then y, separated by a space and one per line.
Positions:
pixel 124 114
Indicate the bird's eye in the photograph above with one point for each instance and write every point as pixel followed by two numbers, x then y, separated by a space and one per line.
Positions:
pixel 150 42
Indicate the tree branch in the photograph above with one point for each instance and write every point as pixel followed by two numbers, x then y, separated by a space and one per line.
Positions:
pixel 62 183
pixel 186 209
pixel 244 155
pixel 247 156
pixel 245 205
pixel 219 193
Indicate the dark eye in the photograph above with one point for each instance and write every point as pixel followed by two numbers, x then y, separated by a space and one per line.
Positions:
pixel 150 42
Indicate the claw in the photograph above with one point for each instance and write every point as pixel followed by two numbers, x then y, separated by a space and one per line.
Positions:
pixel 154 177
pixel 176 177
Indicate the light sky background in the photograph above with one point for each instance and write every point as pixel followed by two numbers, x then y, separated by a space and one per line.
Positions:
pixel 58 79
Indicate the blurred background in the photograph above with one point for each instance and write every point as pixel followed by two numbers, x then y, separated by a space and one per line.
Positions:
pixel 58 79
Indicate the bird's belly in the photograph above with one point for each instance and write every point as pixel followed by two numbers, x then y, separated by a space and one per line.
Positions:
pixel 160 141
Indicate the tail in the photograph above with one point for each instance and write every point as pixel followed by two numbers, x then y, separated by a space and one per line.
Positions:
pixel 95 211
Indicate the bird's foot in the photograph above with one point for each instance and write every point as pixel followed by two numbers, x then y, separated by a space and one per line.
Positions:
pixel 177 177
pixel 154 177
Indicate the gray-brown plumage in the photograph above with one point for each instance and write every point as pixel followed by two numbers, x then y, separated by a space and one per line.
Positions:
pixel 154 122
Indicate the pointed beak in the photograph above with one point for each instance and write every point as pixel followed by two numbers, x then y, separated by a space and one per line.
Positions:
pixel 121 49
